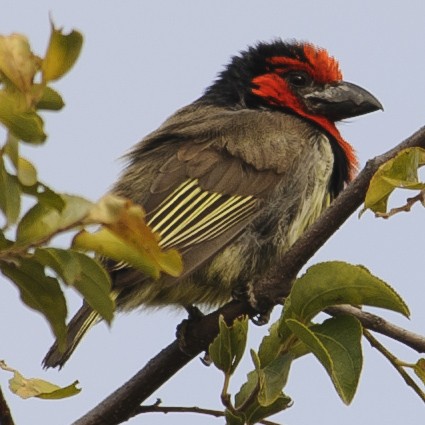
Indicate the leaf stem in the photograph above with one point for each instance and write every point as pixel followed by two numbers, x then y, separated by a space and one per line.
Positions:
pixel 397 364
pixel 225 396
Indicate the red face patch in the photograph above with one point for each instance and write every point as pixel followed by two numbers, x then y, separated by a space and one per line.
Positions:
pixel 323 69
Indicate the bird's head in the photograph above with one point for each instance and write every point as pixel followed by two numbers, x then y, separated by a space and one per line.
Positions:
pixel 297 78
pixel 293 76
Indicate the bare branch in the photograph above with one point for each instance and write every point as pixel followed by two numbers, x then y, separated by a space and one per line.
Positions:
pixel 378 324
pixel 123 403
pixel 156 408
pixel 420 197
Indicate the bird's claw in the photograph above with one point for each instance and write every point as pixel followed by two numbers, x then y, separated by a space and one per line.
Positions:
pixel 262 308
pixel 194 315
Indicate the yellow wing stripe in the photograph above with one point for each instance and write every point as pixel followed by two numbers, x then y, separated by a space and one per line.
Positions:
pixel 210 200
pixel 191 215
pixel 223 225
pixel 210 221
pixel 168 202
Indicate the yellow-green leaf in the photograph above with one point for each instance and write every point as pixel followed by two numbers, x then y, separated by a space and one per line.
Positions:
pixel 44 220
pixel 17 62
pixel 10 195
pixel 11 149
pixel 26 172
pixel 45 196
pixel 4 242
pixel 106 243
pixel 62 53
pixel 24 123
pixel 399 172
pixel 35 387
pixel 50 100
pixel 39 292
pixel 419 369
pixel 124 226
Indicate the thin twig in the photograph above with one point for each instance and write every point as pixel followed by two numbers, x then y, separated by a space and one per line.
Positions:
pixel 395 362
pixel 420 197
pixel 179 409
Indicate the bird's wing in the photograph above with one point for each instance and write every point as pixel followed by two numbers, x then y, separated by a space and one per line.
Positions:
pixel 210 188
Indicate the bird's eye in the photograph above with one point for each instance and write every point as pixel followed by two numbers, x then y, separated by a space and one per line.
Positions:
pixel 298 79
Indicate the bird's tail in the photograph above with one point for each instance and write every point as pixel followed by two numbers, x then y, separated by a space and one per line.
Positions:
pixel 84 319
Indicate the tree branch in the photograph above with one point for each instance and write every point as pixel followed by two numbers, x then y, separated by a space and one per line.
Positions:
pixel 156 408
pixel 5 415
pixel 378 324
pixel 124 402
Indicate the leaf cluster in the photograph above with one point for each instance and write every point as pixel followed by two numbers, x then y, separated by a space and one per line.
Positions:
pixel 336 342
pixel 112 228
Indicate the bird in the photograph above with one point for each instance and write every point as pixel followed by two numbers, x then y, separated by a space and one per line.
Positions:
pixel 234 178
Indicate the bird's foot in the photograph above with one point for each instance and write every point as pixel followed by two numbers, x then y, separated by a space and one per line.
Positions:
pixel 183 329
pixel 262 307
pixel 194 313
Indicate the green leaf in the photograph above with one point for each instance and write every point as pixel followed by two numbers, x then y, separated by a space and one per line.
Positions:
pixel 23 122
pixel 270 345
pixel 85 274
pixel 43 221
pixel 4 242
pixel 336 343
pixel 246 398
pixel 39 292
pixel 35 387
pixel 10 195
pixel 249 390
pixel 62 53
pixel 399 172
pixel 234 418
pixel 275 376
pixel 50 100
pixel 257 413
pixel 334 283
pixel 228 347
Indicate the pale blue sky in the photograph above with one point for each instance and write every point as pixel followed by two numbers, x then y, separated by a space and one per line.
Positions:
pixel 141 61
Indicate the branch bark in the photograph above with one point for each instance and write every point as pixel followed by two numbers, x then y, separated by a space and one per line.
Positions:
pixel 124 402
pixel 5 415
